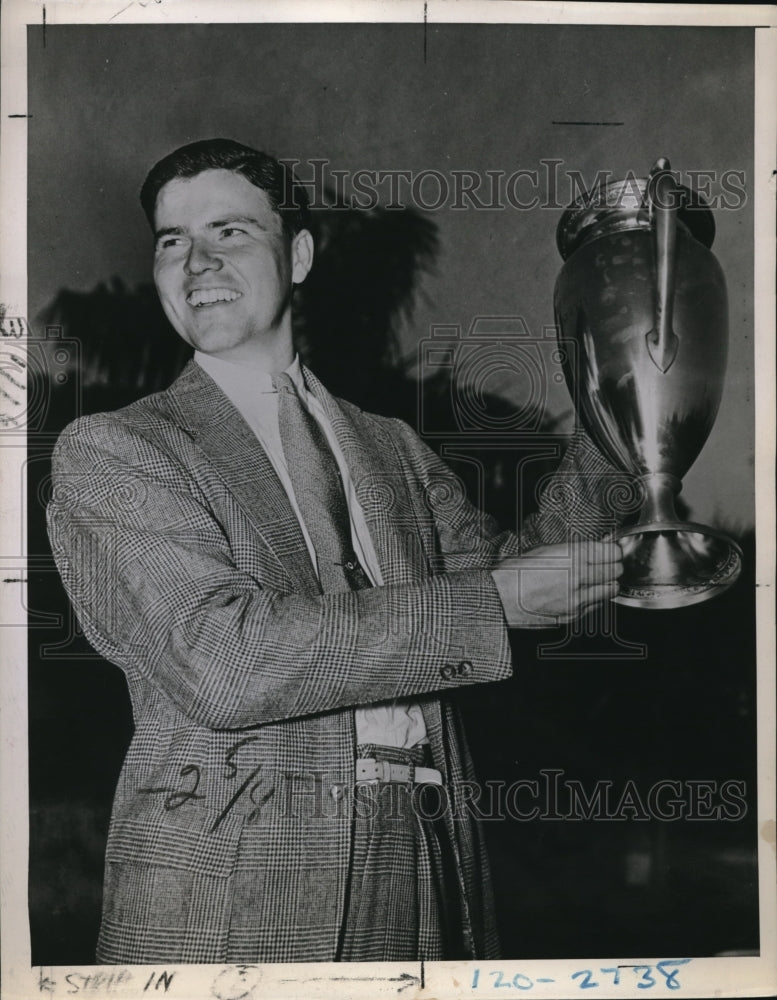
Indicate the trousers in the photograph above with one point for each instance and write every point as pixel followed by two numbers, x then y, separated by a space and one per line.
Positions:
pixel 404 902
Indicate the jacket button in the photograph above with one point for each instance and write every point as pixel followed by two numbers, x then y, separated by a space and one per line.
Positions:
pixel 337 792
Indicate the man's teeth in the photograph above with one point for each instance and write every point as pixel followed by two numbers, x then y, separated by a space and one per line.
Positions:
pixel 207 296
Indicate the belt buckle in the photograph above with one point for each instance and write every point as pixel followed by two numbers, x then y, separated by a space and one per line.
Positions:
pixel 398 774
pixel 383 771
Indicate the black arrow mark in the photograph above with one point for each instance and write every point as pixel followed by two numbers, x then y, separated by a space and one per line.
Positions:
pixel 406 978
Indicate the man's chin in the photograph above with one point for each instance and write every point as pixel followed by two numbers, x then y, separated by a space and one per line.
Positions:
pixel 211 339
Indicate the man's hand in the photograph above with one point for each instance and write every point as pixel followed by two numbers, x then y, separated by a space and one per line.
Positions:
pixel 554 584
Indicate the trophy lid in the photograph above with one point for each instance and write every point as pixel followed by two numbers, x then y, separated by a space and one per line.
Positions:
pixel 624 204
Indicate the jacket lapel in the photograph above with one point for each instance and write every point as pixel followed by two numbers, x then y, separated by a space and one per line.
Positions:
pixel 380 486
pixel 233 449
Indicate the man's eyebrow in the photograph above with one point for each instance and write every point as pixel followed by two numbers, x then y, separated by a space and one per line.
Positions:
pixel 169 231
pixel 236 218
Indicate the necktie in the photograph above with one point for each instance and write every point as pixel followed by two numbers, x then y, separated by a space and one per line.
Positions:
pixel 318 489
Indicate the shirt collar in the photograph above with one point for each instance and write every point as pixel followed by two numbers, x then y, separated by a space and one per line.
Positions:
pixel 238 379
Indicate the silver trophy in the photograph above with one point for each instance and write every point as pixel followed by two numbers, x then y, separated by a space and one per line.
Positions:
pixel 644 300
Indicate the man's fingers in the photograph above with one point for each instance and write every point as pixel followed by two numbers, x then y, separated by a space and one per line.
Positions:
pixel 602 552
pixel 592 596
pixel 605 562
pixel 599 572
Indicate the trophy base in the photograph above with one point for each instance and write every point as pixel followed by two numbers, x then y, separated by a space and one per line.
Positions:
pixel 671 564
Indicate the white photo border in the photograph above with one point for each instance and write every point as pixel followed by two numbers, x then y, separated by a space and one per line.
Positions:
pixel 735 976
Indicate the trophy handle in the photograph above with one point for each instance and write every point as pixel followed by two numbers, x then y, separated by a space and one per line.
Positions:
pixel 662 341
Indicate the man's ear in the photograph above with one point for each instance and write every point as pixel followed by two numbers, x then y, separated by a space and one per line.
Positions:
pixel 301 256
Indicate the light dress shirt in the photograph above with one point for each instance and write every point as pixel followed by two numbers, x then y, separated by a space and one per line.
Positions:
pixel 396 724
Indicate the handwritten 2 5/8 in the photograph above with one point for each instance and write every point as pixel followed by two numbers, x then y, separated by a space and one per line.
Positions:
pixel 644 977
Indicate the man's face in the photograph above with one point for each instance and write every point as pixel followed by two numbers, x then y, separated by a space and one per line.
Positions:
pixel 223 266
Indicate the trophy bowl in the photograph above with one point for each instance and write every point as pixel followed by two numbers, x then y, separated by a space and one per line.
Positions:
pixel 643 298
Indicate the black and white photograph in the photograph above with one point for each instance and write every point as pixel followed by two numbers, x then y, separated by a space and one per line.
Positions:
pixel 387 440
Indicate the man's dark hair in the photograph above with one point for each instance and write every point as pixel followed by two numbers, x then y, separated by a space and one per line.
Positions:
pixel 287 196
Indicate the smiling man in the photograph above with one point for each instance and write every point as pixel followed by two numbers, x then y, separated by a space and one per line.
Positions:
pixel 225 267
pixel 292 588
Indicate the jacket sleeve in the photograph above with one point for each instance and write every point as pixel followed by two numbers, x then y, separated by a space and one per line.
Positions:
pixel 153 581
pixel 586 497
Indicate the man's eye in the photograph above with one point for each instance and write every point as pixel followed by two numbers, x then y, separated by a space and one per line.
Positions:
pixel 232 231
pixel 169 241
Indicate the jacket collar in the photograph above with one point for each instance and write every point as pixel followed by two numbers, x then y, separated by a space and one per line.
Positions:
pixel 219 429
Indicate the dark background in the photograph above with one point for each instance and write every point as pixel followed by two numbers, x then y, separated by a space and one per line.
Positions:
pixel 107 102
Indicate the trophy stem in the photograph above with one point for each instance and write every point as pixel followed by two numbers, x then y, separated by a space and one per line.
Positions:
pixel 659 491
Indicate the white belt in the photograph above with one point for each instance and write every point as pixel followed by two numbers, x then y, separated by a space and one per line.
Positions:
pixel 369 769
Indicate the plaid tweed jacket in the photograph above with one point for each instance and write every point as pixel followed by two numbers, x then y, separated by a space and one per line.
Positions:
pixel 230 834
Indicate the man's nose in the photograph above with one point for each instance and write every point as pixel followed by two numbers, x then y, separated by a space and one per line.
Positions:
pixel 201 258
